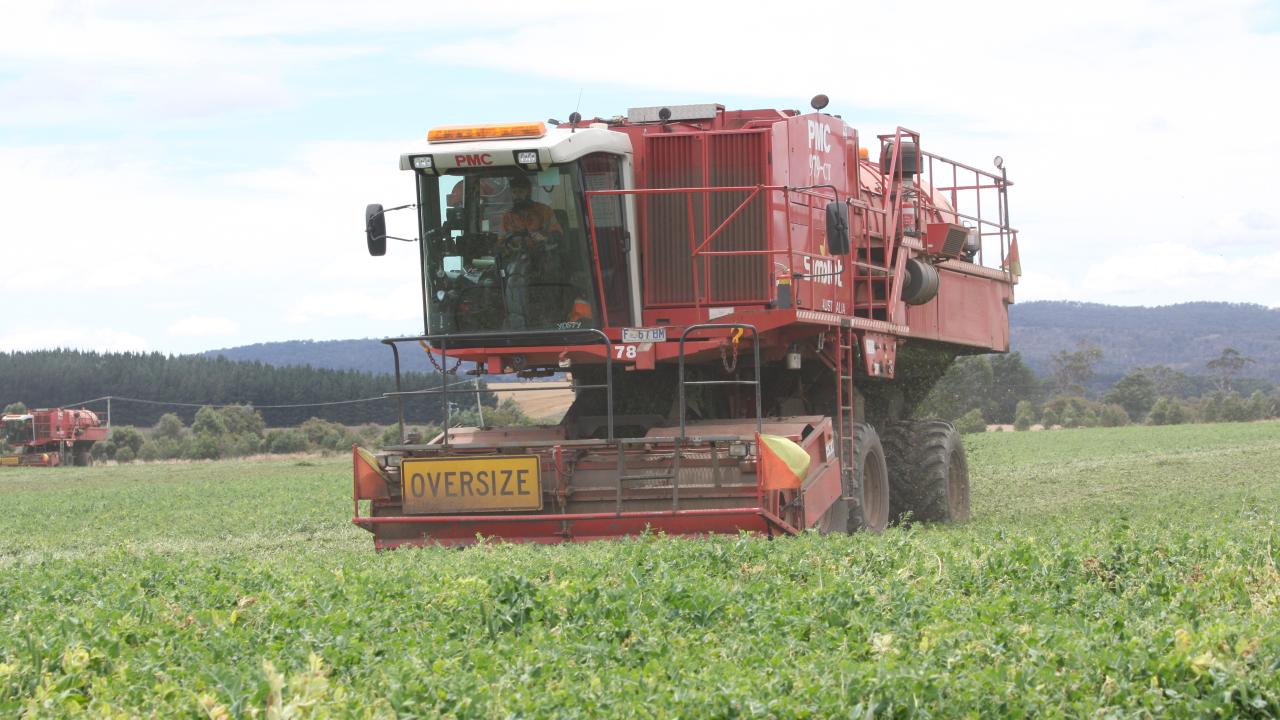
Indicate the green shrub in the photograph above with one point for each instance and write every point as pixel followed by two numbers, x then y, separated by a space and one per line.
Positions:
pixel 242 420
pixel 323 434
pixel 1234 409
pixel 242 444
pixel 1072 411
pixel 125 455
pixel 205 446
pixel 127 436
pixel 971 422
pixel 15 408
pixel 209 422
pixel 1261 407
pixel 1113 415
pixel 285 441
pixel 369 433
pixel 169 449
pixel 1168 411
pixel 1024 415
pixel 390 436
pixel 169 427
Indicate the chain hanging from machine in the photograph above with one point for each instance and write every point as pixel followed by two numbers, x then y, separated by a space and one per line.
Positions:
pixel 731 362
pixel 431 356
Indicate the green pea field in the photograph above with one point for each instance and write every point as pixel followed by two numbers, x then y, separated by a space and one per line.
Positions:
pixel 1125 572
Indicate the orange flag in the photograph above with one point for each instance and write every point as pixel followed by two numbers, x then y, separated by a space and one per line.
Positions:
pixel 783 463
pixel 370 482
pixel 1011 261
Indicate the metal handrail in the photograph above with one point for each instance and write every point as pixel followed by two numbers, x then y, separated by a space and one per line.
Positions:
pixel 755 347
pixel 680 441
pixel 400 394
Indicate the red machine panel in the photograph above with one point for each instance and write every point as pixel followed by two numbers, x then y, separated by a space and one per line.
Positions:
pixel 738 159
pixel 671 161
pixel 727 159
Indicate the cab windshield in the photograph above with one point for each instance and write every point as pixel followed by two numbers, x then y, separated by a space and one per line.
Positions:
pixel 18 430
pixel 511 250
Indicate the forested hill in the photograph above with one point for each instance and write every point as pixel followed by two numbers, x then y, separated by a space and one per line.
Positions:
pixel 159 382
pixel 1184 337
pixel 367 355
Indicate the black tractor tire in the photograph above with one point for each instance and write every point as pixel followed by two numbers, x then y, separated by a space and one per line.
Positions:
pixel 866 491
pixel 835 520
pixel 83 458
pixel 929 472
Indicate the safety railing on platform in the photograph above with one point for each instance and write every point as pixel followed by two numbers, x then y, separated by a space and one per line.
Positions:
pixel 679 442
pixel 440 344
pixel 975 195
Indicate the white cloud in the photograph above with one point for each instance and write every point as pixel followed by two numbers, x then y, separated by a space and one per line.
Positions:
pixel 204 326
pixel 1043 286
pixel 400 303
pixel 1162 273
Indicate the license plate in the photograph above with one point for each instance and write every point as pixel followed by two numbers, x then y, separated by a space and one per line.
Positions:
pixel 644 335
pixel 432 486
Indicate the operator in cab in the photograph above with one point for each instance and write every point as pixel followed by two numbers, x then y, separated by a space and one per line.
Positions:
pixel 526 232
pixel 528 220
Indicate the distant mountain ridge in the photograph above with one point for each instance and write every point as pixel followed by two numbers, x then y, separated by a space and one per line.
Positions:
pixel 365 355
pixel 1185 337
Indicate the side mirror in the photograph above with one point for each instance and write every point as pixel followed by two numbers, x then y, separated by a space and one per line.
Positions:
pixel 838 228
pixel 375 230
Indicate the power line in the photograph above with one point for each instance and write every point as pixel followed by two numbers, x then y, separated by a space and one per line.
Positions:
pixel 169 403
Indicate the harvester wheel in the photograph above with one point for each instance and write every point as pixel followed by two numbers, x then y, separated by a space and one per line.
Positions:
pixel 835 519
pixel 897 438
pixel 83 458
pixel 867 490
pixel 930 473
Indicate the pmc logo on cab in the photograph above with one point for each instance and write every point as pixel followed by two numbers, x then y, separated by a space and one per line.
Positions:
pixel 473 160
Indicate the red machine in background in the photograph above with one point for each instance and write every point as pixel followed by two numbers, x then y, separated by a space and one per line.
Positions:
pixel 720 284
pixel 51 436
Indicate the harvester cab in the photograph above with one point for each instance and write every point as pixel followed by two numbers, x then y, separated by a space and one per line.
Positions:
pixel 726 288
pixel 504 224
pixel 19 429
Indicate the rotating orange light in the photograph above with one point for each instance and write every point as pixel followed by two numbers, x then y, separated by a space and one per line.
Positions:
pixel 463 133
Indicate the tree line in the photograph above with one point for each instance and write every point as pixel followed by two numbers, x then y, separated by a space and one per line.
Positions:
pixel 1002 389
pixel 59 378
pixel 239 431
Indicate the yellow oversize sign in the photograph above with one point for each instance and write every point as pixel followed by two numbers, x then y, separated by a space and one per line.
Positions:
pixel 471 484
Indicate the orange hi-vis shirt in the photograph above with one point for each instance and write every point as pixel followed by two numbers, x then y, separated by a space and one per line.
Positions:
pixel 534 218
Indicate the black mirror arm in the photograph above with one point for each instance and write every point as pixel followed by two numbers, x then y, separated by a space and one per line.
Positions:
pixel 387 210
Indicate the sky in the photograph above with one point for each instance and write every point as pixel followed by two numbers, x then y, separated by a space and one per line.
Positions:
pixel 178 177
